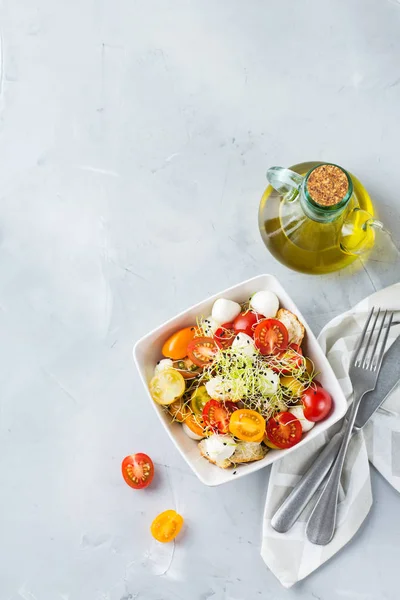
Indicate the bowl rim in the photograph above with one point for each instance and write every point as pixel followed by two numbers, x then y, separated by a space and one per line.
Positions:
pixel 256 465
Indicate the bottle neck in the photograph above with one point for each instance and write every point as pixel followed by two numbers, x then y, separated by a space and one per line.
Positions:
pixel 317 212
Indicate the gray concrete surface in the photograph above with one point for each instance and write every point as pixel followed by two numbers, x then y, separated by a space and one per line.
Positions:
pixel 134 140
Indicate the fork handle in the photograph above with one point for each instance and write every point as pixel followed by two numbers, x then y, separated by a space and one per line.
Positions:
pixel 290 510
pixel 321 524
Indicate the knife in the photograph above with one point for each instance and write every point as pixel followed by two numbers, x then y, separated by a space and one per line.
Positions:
pixel 290 510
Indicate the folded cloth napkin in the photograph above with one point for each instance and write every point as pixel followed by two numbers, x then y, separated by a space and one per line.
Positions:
pixel 290 556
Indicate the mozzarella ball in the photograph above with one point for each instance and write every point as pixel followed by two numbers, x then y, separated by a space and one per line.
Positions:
pixel 265 303
pixel 225 311
pixel 298 412
pixel 165 363
pixel 210 326
pixel 245 344
pixel 219 447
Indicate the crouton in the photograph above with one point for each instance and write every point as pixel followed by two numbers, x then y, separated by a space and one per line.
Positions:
pixel 294 327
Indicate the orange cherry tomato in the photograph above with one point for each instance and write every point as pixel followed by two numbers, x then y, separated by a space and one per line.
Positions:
pixel 166 526
pixel 138 470
pixel 176 346
pixel 179 411
pixel 196 424
pixel 247 425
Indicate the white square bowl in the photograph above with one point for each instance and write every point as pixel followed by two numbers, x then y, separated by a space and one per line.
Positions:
pixel 147 351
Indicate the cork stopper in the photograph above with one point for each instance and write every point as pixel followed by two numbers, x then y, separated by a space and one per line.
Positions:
pixel 327 185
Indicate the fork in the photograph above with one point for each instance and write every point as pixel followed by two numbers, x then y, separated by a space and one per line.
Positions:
pixel 364 371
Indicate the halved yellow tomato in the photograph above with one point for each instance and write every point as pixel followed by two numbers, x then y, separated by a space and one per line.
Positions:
pixel 293 386
pixel 176 346
pixel 247 425
pixel 179 410
pixel 199 399
pixel 167 386
pixel 166 526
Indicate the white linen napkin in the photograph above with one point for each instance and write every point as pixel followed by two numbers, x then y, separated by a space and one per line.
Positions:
pixel 290 556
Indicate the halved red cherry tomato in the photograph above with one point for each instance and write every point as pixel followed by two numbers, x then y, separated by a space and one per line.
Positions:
pixel 271 336
pixel 317 402
pixel 284 430
pixel 138 470
pixel 288 361
pixel 225 335
pixel 216 415
pixel 246 322
pixel 166 526
pixel 175 347
pixel 202 351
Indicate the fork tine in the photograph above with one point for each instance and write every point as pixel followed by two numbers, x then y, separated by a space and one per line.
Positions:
pixel 377 338
pixel 364 362
pixel 361 338
pixel 377 365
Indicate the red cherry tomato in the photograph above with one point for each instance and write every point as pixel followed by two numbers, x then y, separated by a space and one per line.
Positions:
pixel 284 430
pixel 217 415
pixel 246 322
pixel 288 361
pixel 271 336
pixel 317 403
pixel 202 351
pixel 224 335
pixel 138 470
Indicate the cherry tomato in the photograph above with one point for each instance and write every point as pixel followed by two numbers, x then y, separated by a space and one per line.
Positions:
pixel 199 399
pixel 179 411
pixel 317 403
pixel 196 425
pixel 166 526
pixel 202 351
pixel 247 425
pixel 175 346
pixel 284 430
pixel 293 386
pixel 224 335
pixel 138 470
pixel 271 336
pixel 216 415
pixel 246 322
pixel 186 368
pixel 310 368
pixel 288 361
pixel 167 386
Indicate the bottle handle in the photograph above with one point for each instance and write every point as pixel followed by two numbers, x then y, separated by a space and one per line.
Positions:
pixel 286 182
pixel 361 233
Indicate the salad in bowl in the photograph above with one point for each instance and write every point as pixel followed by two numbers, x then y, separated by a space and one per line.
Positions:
pixel 239 381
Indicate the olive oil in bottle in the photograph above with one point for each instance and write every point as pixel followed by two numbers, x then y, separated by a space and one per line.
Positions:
pixel 315 236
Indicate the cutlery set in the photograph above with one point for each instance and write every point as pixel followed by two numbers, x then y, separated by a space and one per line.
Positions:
pixel 374 375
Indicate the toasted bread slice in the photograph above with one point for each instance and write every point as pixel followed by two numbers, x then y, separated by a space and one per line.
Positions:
pixel 295 328
pixel 248 452
pixel 224 464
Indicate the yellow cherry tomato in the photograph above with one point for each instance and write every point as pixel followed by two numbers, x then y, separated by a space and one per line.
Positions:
pixel 166 526
pixel 199 399
pixel 247 425
pixel 293 385
pixel 167 386
pixel 176 346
